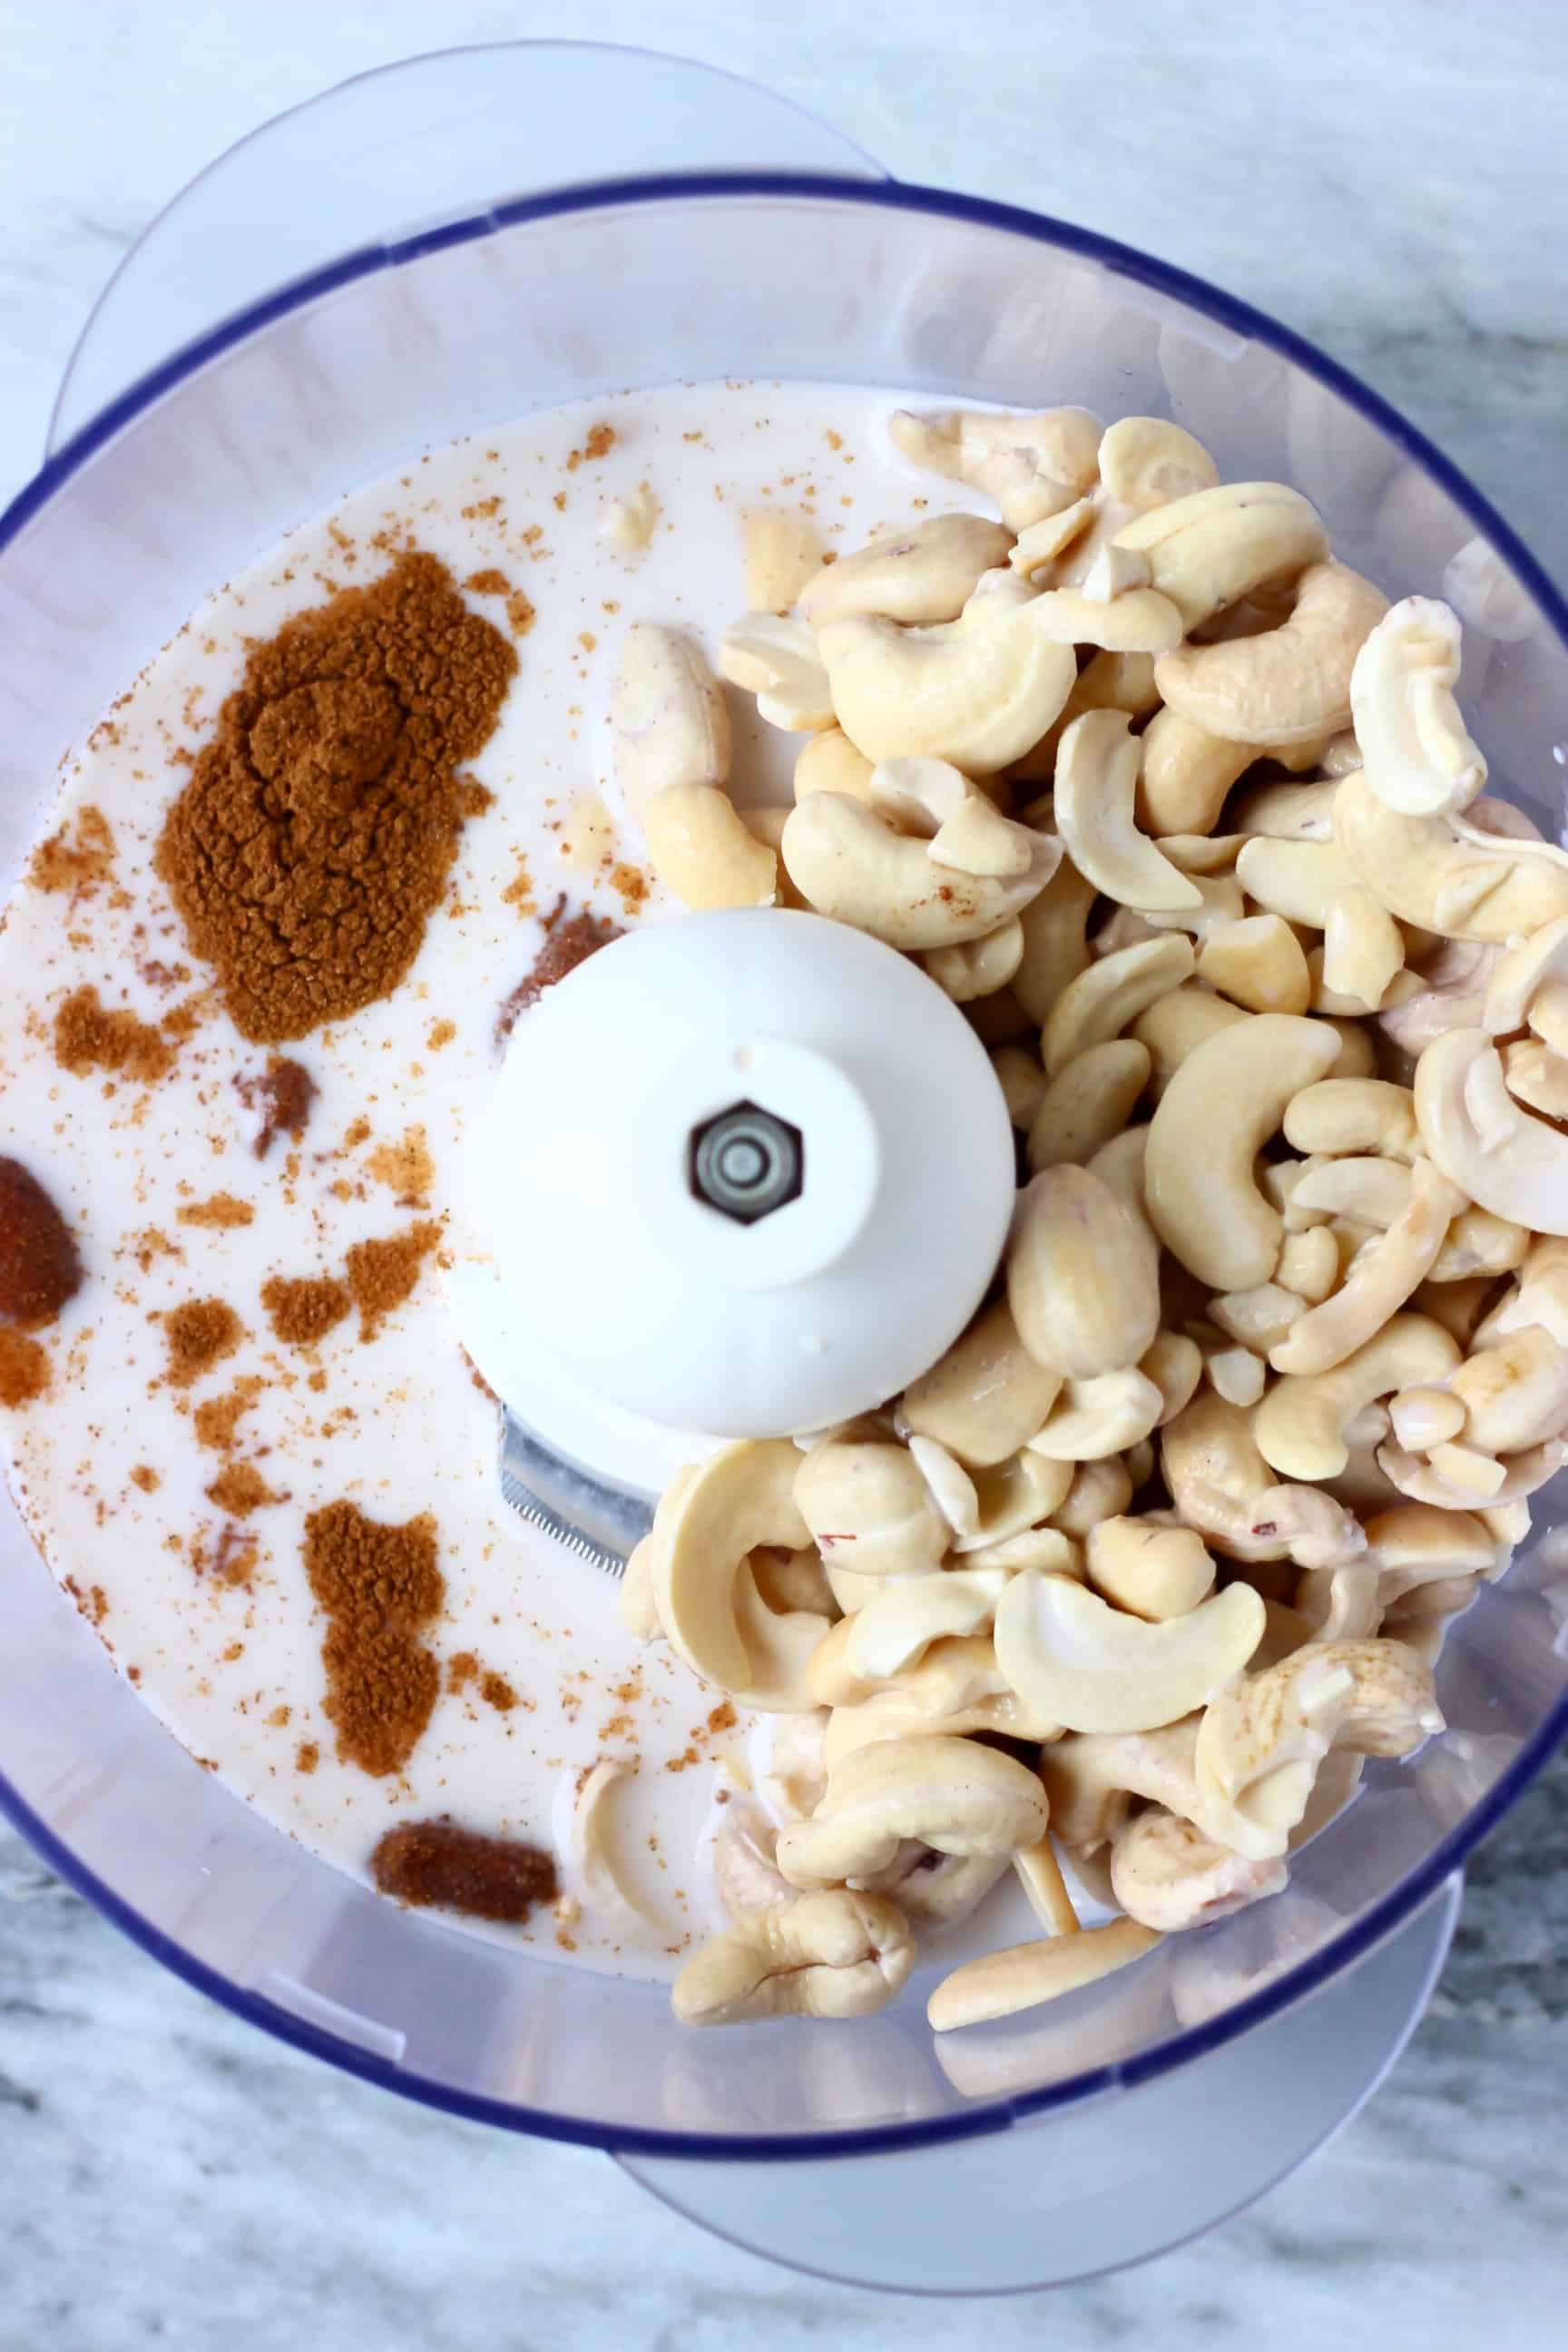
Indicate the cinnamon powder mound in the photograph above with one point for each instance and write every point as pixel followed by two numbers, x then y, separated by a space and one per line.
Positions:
pixel 201 1333
pixel 40 1268
pixel 304 1309
pixel 283 1095
pixel 241 1489
pixel 438 1864
pixel 77 859
pixel 216 1419
pixel 24 1368
pixel 312 841
pixel 567 944
pixel 381 1275
pixel 225 1213
pixel 89 1037
pixel 379 1586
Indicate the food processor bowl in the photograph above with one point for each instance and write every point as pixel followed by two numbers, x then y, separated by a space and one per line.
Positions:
pixel 336 376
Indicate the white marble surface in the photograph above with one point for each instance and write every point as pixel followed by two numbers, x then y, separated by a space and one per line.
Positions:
pixel 1392 180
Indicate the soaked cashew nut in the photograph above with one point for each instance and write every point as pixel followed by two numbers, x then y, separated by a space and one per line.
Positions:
pixel 1300 1426
pixel 986 1396
pixel 1510 1394
pixel 1222 1486
pixel 938 1888
pixel 1416 752
pixel 1520 974
pixel 1033 466
pixel 639 1610
pixel 1091 1779
pixel 1536 1076
pixel 978 690
pixel 1478 1244
pixel 978 839
pixel 1258 963
pixel 1088 1103
pixel 833 1954
pixel 1109 681
pixel 950 1794
pixel 851 867
pixel 776 658
pixel 918 576
pixel 1013 1497
pixel 1447 875
pixel 1111 995
pixel 1000 1984
pixel 829 763
pixel 706 1524
pixel 669 725
pixel 1420 1417
pixel 1187 772
pixel 867 1507
pixel 744 1874
pixel 979 968
pixel 593 1848
pixel 1259 1317
pixel 782 552
pixel 1292 684
pixel 1297 879
pixel 1380 1280
pixel 1424 1481
pixel 1068 1655
pixel 699 847
pixel 1363 949
pixel 897 1627
pixel 1340 1115
pixel 1220 1107
pixel 1177 1024
pixel 1094 1418
pixel 1022 1081
pixel 1209 550
pixel 1134 619
pixel 1040 1873
pixel 1147 461
pixel 1097 775
pixel 1483 1140
pixel 1373 1192
pixel 1150 1568
pixel 1288 812
pixel 1055 949
pixel 1260 1743
pixel 1084 1294
pixel 1221 894
pixel 1167 1874
pixel 1098 1490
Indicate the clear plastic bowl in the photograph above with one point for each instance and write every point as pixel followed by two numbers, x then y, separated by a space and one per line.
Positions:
pixel 341 375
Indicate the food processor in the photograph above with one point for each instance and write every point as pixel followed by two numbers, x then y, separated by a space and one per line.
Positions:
pixel 439 248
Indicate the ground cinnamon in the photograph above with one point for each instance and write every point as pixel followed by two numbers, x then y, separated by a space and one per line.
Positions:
pixel 303 1309
pixel 566 945
pixel 379 1586
pixel 312 841
pixel 40 1267
pixel 200 1334
pixel 437 1864
pixel 381 1275
pixel 283 1095
pixel 88 1037
pixel 24 1368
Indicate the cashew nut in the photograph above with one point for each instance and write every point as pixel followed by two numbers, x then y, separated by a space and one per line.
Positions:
pixel 1212 548
pixel 1424 1481
pixel 1099 1491
pixel 980 967
pixel 851 867
pixel 828 763
pixel 1177 1024
pixel 774 656
pixel 744 1874
pixel 1000 1984
pixel 833 1954
pixel 1536 1076
pixel 1022 1081
pixel 1033 466
pixel 986 1396
pixel 1511 1394
pixel 1308 1264
pixel 1445 873
pixel 1297 879
pixel 1363 950
pixel 1187 772
pixel 1097 775
pixel 1506 1161
pixel 869 1508
pixel 938 1888
pixel 1088 1103
pixel 1292 684
pixel 1258 963
pixel 639 1610
pixel 1013 1496
pixel 978 691
pixel 1167 1874
pixel 669 725
pixel 1415 753
pixel 700 846
pixel 1083 1292
pixel 950 1794
pixel 898 1625
pixel 1153 1569
pixel 1068 1655
pixel 1259 1317
pixel 1260 1743
pixel 1110 681
pixel 1520 974
pixel 1147 461
pixel 1091 1779
pixel 1355 1115
pixel 1380 1281
pixel 1288 812
pixel 1054 948
pixel 707 1599
pixel 1111 995
pixel 1104 1415
pixel 1220 1107
pixel 1134 619
pixel 1222 1486
pixel 918 576
pixel 1300 1426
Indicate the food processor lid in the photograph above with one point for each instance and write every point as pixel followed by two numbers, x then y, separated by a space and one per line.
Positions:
pixel 744 1173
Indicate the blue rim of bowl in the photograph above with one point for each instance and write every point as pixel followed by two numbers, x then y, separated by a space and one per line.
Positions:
pixel 1382 1918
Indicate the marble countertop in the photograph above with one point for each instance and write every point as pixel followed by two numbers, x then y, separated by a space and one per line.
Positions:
pixel 1393 180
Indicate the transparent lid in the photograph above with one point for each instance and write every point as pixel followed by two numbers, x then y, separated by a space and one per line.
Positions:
pixel 193 472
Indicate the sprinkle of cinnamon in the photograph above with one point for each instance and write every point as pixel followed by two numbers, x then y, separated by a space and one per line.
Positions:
pixel 381 1275
pixel 438 1864
pixel 241 1489
pixel 283 1095
pixel 406 1168
pixel 77 858
pixel 303 1309
pixel 24 1368
pixel 200 1334
pixel 225 1211
pixel 379 1586
pixel 89 1037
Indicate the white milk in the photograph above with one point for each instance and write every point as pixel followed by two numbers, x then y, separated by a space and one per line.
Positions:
pixel 397 1426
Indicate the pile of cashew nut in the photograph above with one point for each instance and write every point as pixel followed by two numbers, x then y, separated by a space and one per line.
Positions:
pixel 1187 819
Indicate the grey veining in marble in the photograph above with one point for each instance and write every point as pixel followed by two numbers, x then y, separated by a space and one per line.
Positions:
pixel 1393 179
